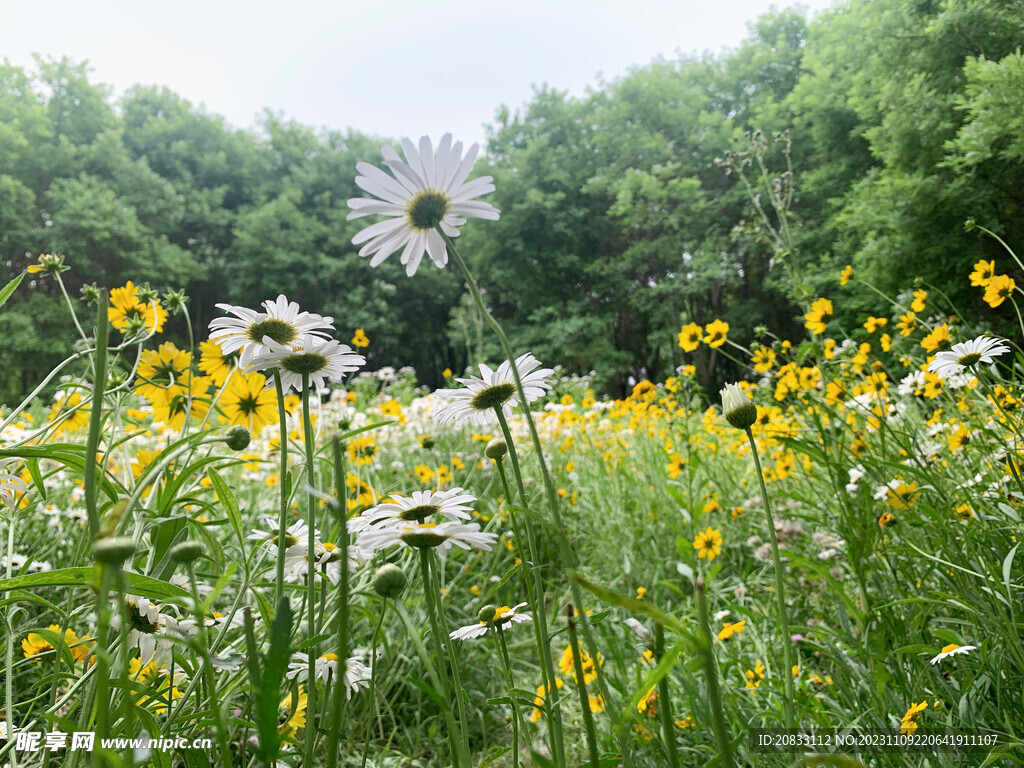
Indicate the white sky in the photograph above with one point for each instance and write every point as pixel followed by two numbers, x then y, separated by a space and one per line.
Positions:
pixel 389 67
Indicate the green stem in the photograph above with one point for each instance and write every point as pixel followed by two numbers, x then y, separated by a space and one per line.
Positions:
pixel 780 593
pixel 282 419
pixel 96 416
pixel 711 670
pixel 455 741
pixel 510 683
pixel 581 685
pixel 311 651
pixel 373 681
pixel 664 702
pixel 341 616
pixel 211 683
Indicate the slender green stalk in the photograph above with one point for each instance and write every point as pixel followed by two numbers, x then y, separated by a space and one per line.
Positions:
pixel 711 671
pixel 341 614
pixel 581 684
pixel 102 699
pixel 282 420
pixel 664 701
pixel 455 741
pixel 211 683
pixel 9 643
pixel 96 415
pixel 780 590
pixel 566 552
pixel 373 680
pixel 510 683
pixel 311 651
pixel 540 627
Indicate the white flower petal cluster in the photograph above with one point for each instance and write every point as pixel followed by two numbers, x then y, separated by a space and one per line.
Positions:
pixel 426 192
pixel 480 396
pixel 966 355
pixel 503 618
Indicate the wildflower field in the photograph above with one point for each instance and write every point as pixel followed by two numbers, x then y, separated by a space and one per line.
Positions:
pixel 248 538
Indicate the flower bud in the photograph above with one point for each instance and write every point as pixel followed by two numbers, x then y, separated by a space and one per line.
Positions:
pixel 486 614
pixel 113 551
pixel 496 449
pixel 389 581
pixel 237 438
pixel 739 410
pixel 186 552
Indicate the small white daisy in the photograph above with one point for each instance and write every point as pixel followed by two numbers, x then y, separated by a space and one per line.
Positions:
pixel 967 354
pixel 429 535
pixel 952 650
pixel 427 191
pixel 322 360
pixel 329 558
pixel 294 534
pixel 357 674
pixel 476 402
pixel 453 504
pixel 280 319
pixel 502 619
pixel 150 630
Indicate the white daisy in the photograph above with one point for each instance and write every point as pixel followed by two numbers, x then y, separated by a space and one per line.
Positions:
pixel 453 504
pixel 952 650
pixel 9 485
pixel 476 402
pixel 357 674
pixel 320 359
pixel 281 320
pixel 429 535
pixel 426 192
pixel 150 630
pixel 967 354
pixel 294 534
pixel 329 558
pixel 503 617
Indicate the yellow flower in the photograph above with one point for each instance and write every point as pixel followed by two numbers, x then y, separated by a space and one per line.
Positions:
pixel 755 675
pixel 886 519
pixel 998 290
pixel 716 333
pixel 248 403
pixel 690 337
pixel 362 449
pixel 917 305
pixel 886 342
pixel 360 340
pixel 538 702
pixel 907 323
pixel 34 644
pixel 846 275
pixel 296 712
pixel 640 592
pixel 708 544
pixel 964 512
pixel 156 679
pixel 646 705
pixel 126 312
pixel 78 419
pixel 959 438
pixel 686 722
pixel 874 323
pixel 728 630
pixel 424 473
pixel 819 316
pixel 214 363
pixel 902 495
pixel 568 666
pixel 936 338
pixel 909 723
pixel 446 373
pixel 983 272
pixel 763 359
pixel 675 466
pixel 596 703
pixel 161 372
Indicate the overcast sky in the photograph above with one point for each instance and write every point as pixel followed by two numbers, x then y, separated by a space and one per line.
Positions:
pixel 389 67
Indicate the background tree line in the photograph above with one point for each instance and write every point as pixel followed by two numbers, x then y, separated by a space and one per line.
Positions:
pixel 623 216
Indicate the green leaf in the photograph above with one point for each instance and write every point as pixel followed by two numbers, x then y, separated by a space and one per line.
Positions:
pixel 227 498
pixel 146 586
pixel 275 665
pixel 10 288
pixel 642 607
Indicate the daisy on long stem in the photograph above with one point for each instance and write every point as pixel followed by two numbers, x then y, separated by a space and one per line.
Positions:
pixel 741 413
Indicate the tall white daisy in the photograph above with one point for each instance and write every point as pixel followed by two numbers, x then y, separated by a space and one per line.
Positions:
pixel 502 618
pixel 281 320
pixel 967 354
pixel 320 359
pixel 357 674
pixel 478 398
pixel 427 191
pixel 441 536
pixel 952 650
pixel 453 504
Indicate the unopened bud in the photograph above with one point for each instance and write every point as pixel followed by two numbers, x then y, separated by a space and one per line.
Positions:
pixel 237 438
pixel 113 551
pixel 738 409
pixel 186 552
pixel 496 449
pixel 389 581
pixel 486 615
